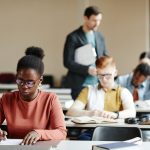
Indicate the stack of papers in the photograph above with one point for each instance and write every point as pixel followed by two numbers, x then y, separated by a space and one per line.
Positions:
pixel 86 119
pixel 131 144
pixel 116 146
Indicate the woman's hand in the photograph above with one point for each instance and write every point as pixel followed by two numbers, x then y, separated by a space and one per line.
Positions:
pixel 3 135
pixel 31 138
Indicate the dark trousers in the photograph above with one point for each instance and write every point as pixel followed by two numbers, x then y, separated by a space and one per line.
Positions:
pixel 86 135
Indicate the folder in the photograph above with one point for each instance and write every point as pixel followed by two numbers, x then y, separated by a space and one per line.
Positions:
pixel 85 55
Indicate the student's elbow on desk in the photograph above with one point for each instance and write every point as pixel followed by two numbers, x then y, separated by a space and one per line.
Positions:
pixel 132 113
pixel 77 112
pixel 68 113
pixel 72 112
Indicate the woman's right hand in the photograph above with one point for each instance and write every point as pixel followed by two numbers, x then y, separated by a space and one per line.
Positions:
pixel 3 135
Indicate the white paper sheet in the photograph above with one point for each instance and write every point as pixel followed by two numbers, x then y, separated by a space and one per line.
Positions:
pixel 11 142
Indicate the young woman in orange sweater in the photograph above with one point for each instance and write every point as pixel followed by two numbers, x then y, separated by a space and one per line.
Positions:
pixel 31 114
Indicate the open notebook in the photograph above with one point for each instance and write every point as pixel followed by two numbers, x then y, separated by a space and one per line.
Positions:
pixel 86 119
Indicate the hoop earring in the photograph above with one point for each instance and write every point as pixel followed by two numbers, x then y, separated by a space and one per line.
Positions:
pixel 40 85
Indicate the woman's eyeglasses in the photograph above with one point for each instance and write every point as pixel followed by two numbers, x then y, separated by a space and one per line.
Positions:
pixel 28 83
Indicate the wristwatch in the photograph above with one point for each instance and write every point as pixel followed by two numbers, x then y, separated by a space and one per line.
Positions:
pixel 117 112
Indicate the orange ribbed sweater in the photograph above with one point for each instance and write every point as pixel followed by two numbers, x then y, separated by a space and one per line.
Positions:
pixel 43 114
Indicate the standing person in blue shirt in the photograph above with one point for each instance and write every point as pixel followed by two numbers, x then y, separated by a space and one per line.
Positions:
pixel 80 75
pixel 137 82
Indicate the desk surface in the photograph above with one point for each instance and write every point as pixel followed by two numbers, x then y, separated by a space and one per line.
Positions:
pixel 70 124
pixel 66 145
pixel 143 110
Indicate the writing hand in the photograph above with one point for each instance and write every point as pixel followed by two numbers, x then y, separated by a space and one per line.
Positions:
pixel 31 138
pixel 3 135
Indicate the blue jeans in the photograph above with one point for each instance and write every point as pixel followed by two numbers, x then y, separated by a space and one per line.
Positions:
pixel 86 135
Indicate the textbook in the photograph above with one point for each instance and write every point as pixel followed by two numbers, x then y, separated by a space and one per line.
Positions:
pixel 86 119
pixel 116 146
pixel 85 55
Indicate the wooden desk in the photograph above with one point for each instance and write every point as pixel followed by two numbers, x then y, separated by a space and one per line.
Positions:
pixel 66 145
pixel 142 107
pixel 59 90
pixel 70 124
pixel 74 130
pixel 142 112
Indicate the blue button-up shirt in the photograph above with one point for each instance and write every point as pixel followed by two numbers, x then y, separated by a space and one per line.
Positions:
pixel 143 88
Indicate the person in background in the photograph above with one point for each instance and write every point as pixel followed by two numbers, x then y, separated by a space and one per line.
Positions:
pixel 144 58
pixel 31 114
pixel 137 82
pixel 105 99
pixel 80 75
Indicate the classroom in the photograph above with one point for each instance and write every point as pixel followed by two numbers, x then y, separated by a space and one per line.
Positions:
pixel 46 24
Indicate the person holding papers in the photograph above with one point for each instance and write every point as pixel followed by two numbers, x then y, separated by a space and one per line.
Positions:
pixel 81 48
pixel 31 114
pixel 106 99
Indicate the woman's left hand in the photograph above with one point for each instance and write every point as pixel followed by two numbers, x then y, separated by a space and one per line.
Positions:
pixel 31 138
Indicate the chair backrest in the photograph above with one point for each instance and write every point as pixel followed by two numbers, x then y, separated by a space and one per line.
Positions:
pixel 107 133
pixel 7 77
pixel 48 79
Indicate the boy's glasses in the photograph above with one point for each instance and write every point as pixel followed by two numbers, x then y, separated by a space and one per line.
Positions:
pixel 28 83
pixel 102 76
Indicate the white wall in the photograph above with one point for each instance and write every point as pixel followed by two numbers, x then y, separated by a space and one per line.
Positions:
pixel 46 23
pixel 125 28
